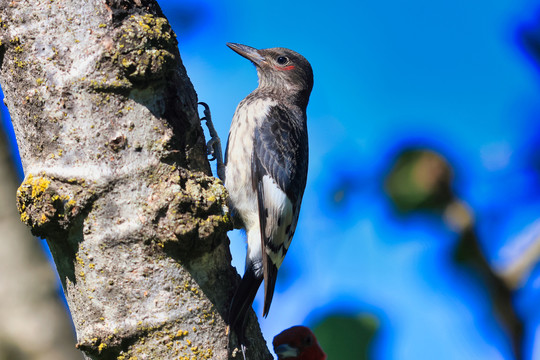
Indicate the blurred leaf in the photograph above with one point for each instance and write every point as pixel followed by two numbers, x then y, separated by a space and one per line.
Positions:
pixel 419 180
pixel 347 337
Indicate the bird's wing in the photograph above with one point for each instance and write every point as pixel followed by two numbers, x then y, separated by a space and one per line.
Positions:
pixel 279 171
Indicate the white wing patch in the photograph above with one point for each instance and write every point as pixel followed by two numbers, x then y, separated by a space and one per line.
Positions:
pixel 279 221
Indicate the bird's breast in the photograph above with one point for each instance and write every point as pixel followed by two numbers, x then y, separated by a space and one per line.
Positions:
pixel 238 181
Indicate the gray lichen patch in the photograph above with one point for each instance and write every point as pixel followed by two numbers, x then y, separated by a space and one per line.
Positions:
pixel 143 48
pixel 160 341
pixel 165 310
pixel 191 214
pixel 48 205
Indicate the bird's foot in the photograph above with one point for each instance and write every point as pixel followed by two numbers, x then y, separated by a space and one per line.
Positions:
pixel 240 342
pixel 213 146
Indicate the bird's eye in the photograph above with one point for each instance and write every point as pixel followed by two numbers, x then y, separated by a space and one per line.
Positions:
pixel 308 340
pixel 282 60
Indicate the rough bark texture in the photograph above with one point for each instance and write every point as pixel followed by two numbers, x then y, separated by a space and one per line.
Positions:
pixel 34 324
pixel 117 180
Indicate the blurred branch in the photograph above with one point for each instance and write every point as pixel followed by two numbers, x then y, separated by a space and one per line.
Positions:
pixel 516 271
pixel 421 180
pixel 468 252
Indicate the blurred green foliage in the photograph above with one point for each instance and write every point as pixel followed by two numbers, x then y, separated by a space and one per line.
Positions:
pixel 346 337
pixel 419 179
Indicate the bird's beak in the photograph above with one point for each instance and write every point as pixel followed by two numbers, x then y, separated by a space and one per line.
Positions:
pixel 248 52
pixel 285 351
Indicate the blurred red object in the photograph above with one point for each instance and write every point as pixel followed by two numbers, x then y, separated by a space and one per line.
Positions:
pixel 297 342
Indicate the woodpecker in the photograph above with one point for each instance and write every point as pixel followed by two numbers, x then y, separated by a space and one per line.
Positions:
pixel 297 343
pixel 266 164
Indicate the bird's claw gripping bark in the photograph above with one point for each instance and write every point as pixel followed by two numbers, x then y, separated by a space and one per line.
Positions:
pixel 210 151
pixel 213 146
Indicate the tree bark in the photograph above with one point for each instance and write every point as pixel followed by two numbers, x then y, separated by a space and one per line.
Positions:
pixel 34 324
pixel 117 179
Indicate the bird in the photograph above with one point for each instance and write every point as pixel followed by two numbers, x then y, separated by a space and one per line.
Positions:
pixel 266 165
pixel 297 342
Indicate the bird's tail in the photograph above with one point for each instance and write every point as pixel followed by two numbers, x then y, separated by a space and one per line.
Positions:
pixel 270 276
pixel 241 303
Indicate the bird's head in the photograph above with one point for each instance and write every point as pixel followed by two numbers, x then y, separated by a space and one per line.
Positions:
pixel 297 342
pixel 280 70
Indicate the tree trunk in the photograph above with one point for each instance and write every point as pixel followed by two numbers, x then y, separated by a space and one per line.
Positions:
pixel 117 180
pixel 34 324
